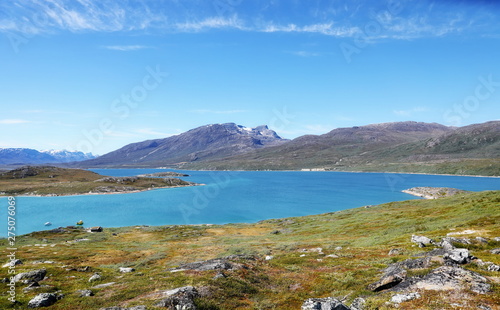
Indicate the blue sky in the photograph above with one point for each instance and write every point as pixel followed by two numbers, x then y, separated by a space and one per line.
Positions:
pixel 96 75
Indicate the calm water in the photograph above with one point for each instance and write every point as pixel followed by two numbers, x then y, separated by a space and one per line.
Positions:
pixel 228 197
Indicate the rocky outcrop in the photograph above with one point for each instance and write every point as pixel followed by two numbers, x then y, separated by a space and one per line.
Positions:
pixel 422 241
pixel 458 256
pixel 399 298
pixel 44 300
pixel 225 263
pixel 181 298
pixel 433 192
pixel 31 276
pixel 328 303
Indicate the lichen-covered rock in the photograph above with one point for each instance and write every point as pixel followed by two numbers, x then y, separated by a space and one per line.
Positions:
pixel 85 293
pixel 422 240
pixel 399 298
pixel 180 299
pixel 392 277
pixel 458 256
pixel 493 267
pixel 31 276
pixel 43 300
pixel 328 303
pixel 358 304
pixel 446 278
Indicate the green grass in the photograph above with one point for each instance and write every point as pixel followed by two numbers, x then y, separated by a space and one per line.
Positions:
pixel 365 234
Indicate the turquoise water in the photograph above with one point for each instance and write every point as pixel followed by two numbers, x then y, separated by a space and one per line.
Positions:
pixel 228 197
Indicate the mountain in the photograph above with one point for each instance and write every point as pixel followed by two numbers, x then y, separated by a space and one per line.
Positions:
pixel 330 149
pixel 26 156
pixel 196 145
pixel 389 147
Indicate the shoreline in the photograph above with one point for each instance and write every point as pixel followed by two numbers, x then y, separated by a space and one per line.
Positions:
pixel 110 193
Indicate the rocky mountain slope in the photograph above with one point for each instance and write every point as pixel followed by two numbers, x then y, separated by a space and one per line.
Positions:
pixel 199 144
pixel 397 147
pixel 26 156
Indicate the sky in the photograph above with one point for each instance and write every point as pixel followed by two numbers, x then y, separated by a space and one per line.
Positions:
pixel 95 75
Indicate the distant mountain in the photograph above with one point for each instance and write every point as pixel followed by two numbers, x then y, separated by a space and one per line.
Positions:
pixel 25 156
pixel 196 145
pixel 331 149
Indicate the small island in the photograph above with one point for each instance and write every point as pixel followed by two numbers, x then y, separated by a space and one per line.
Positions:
pixel 433 192
pixel 55 181
pixel 164 174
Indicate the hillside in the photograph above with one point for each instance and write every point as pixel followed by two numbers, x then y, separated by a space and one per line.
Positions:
pixel 25 156
pixel 199 144
pixel 395 147
pixel 417 254
pixel 54 181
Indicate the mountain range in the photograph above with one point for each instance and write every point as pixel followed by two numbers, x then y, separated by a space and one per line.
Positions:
pixel 398 147
pixel 26 156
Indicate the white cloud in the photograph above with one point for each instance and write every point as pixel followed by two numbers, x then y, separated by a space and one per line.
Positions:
pixel 13 121
pixel 211 23
pixel 326 29
pixel 126 48
pixel 304 54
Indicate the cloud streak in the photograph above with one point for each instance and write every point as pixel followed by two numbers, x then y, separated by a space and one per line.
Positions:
pixel 126 48
pixel 13 121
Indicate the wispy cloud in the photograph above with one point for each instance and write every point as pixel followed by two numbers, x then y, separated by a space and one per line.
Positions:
pixel 203 111
pixel 126 48
pixel 13 121
pixel 325 29
pixel 304 53
pixel 211 23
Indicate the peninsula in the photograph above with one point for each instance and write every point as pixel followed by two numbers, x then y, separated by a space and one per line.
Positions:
pixel 54 181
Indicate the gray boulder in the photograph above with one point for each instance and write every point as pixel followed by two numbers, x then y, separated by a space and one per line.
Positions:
pixel 358 304
pixel 180 299
pixel 495 251
pixel 458 256
pixel 328 303
pixel 31 276
pixel 13 262
pixel 126 269
pixel 493 267
pixel 85 293
pixel 95 277
pixel 43 300
pixel 422 240
pixel 399 298
pixel 447 278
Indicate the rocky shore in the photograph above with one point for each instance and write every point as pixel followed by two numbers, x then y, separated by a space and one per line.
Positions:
pixel 433 192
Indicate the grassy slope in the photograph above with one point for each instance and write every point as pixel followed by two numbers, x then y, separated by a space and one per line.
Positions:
pixel 61 181
pixel 365 235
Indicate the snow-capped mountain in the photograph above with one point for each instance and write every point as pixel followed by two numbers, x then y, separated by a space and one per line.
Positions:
pixel 26 156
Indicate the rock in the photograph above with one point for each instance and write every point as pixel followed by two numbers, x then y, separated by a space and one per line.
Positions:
pixel 13 262
pixel 481 240
pixel 404 297
pixel 96 229
pixel 458 256
pixel 328 303
pixel 395 252
pixel 180 299
pixel 31 276
pixel 224 263
pixel 338 248
pixel 85 293
pixel 446 278
pixel 358 304
pixel 390 279
pixel 495 251
pixel 496 239
pixel 103 285
pixel 43 300
pixel 95 277
pixel 493 267
pixel 422 240
pixel 457 240
pixel 219 275
pixel 126 269
pixel 269 257
pixel 331 256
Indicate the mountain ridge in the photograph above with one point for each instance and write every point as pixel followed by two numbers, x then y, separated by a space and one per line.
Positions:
pixel 25 156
